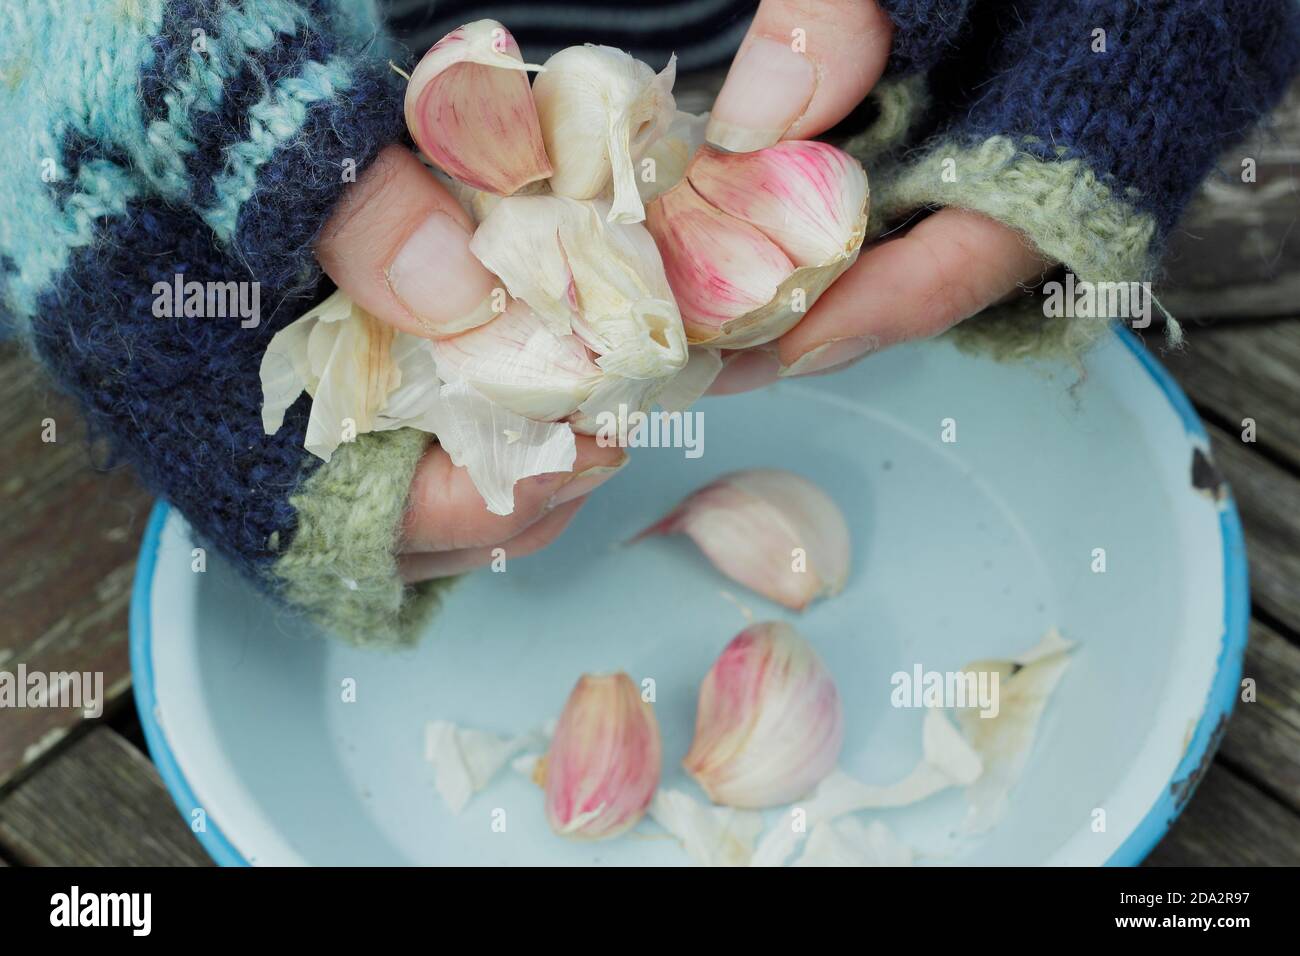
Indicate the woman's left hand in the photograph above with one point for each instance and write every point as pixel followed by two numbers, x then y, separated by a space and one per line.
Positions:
pixel 950 266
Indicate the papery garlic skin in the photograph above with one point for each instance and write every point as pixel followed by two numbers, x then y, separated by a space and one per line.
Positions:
pixel 362 374
pixel 771 530
pixel 603 281
pixel 469 87
pixel 603 765
pixel 671 154
pixel 600 110
pixel 497 446
pixel 769 725
pixel 751 241
pixel 518 361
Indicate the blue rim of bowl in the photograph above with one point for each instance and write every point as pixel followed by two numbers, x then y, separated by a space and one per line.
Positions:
pixel 1218 705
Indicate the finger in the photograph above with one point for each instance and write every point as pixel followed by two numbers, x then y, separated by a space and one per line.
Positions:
pixel 745 371
pixel 440 564
pixel 445 512
pixel 802 67
pixel 951 266
pixel 398 244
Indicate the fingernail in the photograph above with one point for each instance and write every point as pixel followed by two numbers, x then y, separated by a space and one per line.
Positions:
pixel 830 354
pixel 436 276
pixel 767 89
pixel 745 372
pixel 584 483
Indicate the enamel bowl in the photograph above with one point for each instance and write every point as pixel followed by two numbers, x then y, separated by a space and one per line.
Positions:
pixel 964 549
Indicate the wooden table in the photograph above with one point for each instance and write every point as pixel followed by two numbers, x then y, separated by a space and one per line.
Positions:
pixel 77 791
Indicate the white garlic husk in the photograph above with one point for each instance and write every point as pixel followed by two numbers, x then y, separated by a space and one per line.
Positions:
pixel 603 281
pixel 666 160
pixel 362 374
pixel 770 724
pixel 600 110
pixel 519 361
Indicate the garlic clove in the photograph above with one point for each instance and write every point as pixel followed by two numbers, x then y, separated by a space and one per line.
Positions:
pixel 808 197
pixel 518 361
pixel 600 110
pixel 770 530
pixel 720 269
pixel 603 765
pixel 751 241
pixel 603 281
pixel 770 724
pixel 469 87
pixel 496 446
pixel 666 160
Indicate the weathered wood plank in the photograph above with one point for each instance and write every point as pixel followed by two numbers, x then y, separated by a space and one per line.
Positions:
pixel 1263 738
pixel 1247 370
pixel 1268 498
pixel 68 537
pixel 1230 823
pixel 100 802
pixel 1236 251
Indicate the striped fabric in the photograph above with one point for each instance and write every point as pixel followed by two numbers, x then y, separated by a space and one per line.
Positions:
pixel 703 33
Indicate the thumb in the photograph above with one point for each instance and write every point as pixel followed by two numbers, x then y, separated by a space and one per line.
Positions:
pixel 803 66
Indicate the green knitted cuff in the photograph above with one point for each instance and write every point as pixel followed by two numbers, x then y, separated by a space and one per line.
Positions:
pixel 901 103
pixel 341 569
pixel 1059 205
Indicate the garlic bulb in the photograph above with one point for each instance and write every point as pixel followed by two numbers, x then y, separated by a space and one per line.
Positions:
pixel 769 725
pixel 771 530
pixel 600 109
pixel 362 374
pixel 604 281
pixel 470 86
pixel 751 240
pixel 518 361
pixel 603 765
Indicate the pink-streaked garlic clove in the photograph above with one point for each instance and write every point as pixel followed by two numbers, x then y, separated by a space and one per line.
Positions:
pixel 470 108
pixel 771 530
pixel 769 724
pixel 603 765
pixel 808 197
pixel 720 268
pixel 750 241
pixel 520 362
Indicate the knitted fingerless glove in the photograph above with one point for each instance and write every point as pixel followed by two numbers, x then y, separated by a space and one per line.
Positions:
pixel 205 139
pixel 1085 124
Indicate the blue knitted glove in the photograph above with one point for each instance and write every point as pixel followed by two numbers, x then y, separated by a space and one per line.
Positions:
pixel 1085 124
pixel 205 139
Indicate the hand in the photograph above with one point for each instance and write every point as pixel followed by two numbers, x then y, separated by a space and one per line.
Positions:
pixel 398 244
pixel 952 265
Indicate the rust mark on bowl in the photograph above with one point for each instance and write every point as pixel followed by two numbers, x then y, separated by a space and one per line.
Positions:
pixel 1181 790
pixel 1206 477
